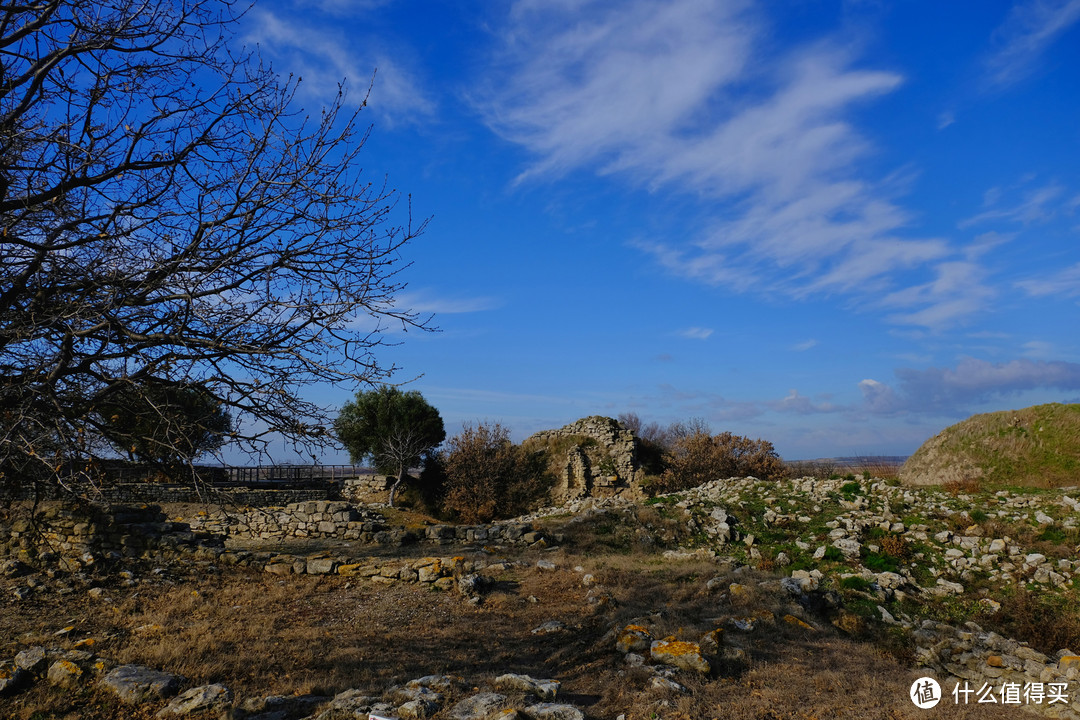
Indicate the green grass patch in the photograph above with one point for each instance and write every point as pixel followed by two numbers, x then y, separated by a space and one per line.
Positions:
pixel 855 583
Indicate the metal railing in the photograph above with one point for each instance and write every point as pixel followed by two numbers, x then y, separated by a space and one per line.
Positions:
pixel 240 475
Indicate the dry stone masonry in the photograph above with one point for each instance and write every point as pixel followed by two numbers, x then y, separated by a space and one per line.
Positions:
pixel 600 459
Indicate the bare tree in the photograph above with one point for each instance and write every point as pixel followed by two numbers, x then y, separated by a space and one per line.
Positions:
pixel 167 215
pixel 401 448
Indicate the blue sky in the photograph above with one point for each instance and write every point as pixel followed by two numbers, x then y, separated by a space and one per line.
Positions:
pixel 839 226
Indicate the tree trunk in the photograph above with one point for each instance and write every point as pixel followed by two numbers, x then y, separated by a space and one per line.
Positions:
pixel 394 487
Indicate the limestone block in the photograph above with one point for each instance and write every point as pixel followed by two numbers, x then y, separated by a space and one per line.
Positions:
pixel 208 698
pixel 478 707
pixel 546 690
pixel 683 655
pixel 135 683
pixel 554 711
pixel 65 674
pixel 633 638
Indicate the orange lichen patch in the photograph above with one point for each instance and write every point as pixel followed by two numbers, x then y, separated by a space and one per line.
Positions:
pixel 634 638
pixel 349 570
pixel 1068 661
pixel 85 642
pixel 792 620
pixel 427 562
pixel 738 589
pixel 996 661
pixel 681 654
pixel 676 647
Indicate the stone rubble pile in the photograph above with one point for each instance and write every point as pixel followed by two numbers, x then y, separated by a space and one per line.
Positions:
pixel 508 697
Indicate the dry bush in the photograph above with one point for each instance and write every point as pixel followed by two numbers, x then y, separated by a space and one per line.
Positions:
pixel 896 546
pixel 964 486
pixel 698 457
pixel 489 477
pixel 1047 622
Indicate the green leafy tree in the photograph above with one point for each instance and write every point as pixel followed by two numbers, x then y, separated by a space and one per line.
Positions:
pixel 391 428
pixel 166 423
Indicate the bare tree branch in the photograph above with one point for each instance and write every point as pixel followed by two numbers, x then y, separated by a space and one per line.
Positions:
pixel 166 215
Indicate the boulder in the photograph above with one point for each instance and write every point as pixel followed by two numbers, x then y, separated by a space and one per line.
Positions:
pixel 554 711
pixel 207 700
pixel 135 683
pixel 546 690
pixel 12 677
pixel 633 638
pixel 478 707
pixel 683 655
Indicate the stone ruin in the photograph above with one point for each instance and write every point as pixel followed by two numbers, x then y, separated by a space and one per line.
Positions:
pixel 595 456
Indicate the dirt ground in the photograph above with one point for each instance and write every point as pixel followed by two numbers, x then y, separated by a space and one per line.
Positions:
pixel 261 634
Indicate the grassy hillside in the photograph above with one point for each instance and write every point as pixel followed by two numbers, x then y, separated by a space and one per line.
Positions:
pixel 1034 447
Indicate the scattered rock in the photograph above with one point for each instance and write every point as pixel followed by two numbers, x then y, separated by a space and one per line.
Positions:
pixel 204 699
pixel 683 655
pixel 546 690
pixel 550 627
pixel 135 683
pixel 478 707
pixel 553 711
pixel 634 638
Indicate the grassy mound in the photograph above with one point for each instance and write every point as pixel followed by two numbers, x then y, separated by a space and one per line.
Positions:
pixel 1038 446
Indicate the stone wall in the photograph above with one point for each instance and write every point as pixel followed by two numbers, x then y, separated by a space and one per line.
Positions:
pixel 367 488
pixel 80 536
pixel 311 519
pixel 602 464
pixel 127 493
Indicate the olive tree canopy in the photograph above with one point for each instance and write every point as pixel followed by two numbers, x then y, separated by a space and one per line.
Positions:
pixel 393 429
pixel 168 216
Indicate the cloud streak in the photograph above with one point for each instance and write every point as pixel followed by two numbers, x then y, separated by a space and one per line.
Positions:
pixel 690 97
pixel 1031 27
pixel 972 381
pixel 324 60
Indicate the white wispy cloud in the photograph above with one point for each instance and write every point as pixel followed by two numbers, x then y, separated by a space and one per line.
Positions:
pixel 695 333
pixel 318 52
pixel 1038 205
pixel 1065 282
pixel 1031 27
pixel 429 302
pixel 953 390
pixel 800 404
pixel 692 97
pixel 804 345
pixel 959 289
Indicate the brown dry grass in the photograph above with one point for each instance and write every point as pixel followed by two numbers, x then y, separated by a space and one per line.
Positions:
pixel 261 635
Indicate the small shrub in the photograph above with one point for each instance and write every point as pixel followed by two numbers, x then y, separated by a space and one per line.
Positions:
pixel 834 554
pixel 978 516
pixel 1047 622
pixel 855 583
pixel 851 489
pixel 697 457
pixel 879 562
pixel 1052 535
pixel 965 486
pixel 896 546
pixel 487 476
